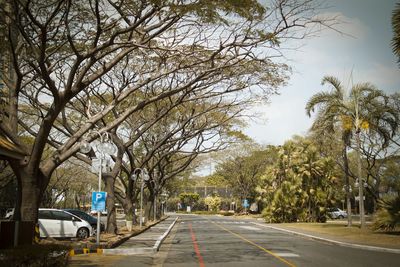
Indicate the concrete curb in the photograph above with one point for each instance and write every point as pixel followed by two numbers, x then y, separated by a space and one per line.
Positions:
pixel 159 241
pixel 89 250
pixel 343 244
pixel 143 250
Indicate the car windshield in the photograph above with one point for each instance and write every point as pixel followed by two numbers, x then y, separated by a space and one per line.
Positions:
pixel 82 214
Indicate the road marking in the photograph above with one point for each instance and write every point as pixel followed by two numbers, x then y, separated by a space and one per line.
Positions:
pixel 260 247
pixel 196 247
pixel 250 228
pixel 287 255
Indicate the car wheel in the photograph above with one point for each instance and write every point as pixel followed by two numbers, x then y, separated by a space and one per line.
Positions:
pixel 341 217
pixel 82 233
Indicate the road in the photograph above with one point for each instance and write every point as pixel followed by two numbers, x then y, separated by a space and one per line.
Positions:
pixel 222 241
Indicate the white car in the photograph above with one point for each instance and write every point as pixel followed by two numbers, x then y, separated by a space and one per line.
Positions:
pixel 60 223
pixel 9 213
pixel 336 213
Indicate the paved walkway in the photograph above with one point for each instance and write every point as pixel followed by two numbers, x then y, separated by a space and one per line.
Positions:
pixel 146 242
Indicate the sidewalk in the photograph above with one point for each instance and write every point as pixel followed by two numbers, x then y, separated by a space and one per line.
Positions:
pixel 147 242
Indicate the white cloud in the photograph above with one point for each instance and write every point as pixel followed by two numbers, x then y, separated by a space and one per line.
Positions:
pixel 352 27
pixel 330 54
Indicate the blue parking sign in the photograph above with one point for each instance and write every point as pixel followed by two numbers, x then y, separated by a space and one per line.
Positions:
pixel 99 201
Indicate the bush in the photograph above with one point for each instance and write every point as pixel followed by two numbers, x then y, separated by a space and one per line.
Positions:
pixel 188 199
pixel 226 213
pixel 35 255
pixel 213 202
pixel 172 203
pixel 387 218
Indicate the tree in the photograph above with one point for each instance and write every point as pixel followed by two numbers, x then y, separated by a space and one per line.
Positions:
pixel 332 112
pixel 365 107
pixel 60 51
pixel 242 173
pixel 299 185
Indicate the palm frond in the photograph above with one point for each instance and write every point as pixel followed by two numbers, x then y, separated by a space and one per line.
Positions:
pixel 396 31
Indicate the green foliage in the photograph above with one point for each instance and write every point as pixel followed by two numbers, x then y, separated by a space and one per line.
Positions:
pixel 216 180
pixel 172 203
pixel 390 175
pixel 214 11
pixel 396 31
pixel 242 173
pixel 213 202
pixel 200 205
pixel 299 185
pixel 387 218
pixel 188 199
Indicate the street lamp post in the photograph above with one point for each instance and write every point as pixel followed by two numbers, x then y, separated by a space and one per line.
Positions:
pixel 145 177
pixel 105 148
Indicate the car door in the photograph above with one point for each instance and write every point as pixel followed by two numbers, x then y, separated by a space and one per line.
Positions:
pixel 48 225
pixel 66 227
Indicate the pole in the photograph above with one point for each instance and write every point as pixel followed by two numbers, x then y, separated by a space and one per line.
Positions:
pixel 141 204
pixel 98 212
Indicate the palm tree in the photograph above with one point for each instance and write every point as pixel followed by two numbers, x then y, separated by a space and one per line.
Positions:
pixel 333 111
pixel 364 107
pixel 396 31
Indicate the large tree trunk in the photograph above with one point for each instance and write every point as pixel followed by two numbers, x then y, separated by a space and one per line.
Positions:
pixel 31 185
pixel 110 203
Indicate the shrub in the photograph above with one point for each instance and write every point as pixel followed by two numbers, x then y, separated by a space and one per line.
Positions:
pixel 35 255
pixel 387 218
pixel 213 202
pixel 226 213
pixel 188 199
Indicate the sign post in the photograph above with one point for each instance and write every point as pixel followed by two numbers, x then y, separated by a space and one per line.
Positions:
pixel 99 205
pixel 245 205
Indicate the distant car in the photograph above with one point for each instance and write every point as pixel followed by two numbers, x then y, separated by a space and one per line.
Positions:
pixel 94 213
pixel 90 219
pixel 9 213
pixel 61 223
pixel 336 213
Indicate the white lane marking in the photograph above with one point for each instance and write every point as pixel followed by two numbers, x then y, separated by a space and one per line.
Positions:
pixel 250 228
pixel 286 255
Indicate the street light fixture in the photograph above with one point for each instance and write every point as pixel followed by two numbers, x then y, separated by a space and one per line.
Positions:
pixel 145 177
pixel 106 148
pixel 164 196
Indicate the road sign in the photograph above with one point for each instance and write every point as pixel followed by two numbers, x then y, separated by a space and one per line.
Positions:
pixel 99 201
pixel 246 203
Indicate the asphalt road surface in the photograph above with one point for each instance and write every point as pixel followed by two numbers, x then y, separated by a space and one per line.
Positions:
pixel 222 241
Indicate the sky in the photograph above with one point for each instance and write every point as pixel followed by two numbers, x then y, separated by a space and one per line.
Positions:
pixel 367 55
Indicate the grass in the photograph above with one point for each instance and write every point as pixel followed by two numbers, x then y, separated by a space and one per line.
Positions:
pixel 341 232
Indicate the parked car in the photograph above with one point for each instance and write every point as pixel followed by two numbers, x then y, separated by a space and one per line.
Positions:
pixel 336 213
pixel 94 213
pixel 9 213
pixel 90 219
pixel 61 223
